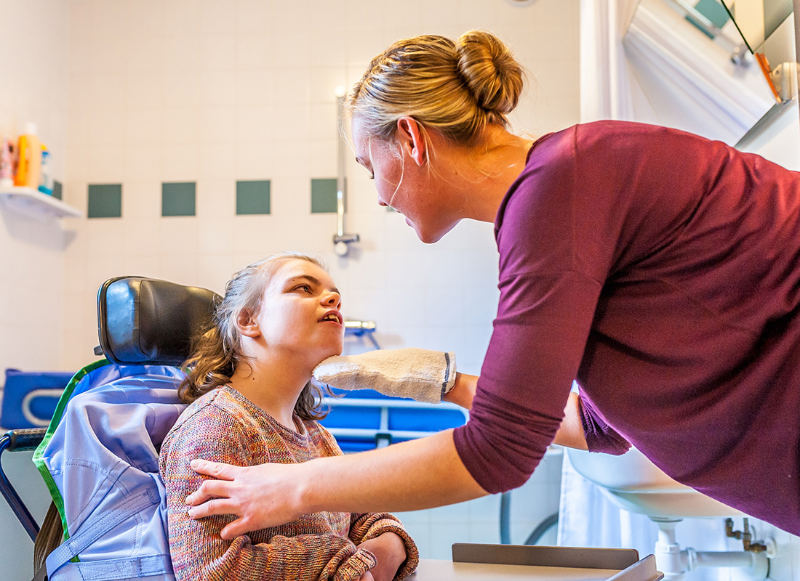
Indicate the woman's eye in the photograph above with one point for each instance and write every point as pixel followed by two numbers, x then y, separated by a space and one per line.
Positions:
pixel 303 287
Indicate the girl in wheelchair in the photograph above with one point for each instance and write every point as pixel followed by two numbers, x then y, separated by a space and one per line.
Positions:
pixel 251 401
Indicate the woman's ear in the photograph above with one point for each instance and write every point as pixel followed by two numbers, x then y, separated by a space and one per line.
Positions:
pixel 247 323
pixel 412 140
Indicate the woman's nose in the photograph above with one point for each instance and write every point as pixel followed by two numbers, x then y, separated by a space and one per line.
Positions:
pixel 332 298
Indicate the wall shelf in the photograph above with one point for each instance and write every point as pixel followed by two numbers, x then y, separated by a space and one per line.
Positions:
pixel 37 204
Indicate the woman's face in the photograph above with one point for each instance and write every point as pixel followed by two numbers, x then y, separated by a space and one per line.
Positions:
pixel 403 184
pixel 301 312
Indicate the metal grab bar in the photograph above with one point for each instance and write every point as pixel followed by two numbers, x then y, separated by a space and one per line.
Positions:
pixel 341 240
pixel 360 328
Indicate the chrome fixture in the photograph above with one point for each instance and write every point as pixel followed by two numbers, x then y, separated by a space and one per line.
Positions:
pixel 739 49
pixel 341 240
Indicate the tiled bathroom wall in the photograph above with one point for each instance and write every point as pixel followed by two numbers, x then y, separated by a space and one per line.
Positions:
pixel 210 95
pixel 33 86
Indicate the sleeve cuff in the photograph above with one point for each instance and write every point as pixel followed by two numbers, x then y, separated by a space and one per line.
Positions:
pixel 354 567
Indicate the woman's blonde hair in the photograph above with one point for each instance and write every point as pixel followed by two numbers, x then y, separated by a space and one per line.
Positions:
pixel 217 353
pixel 457 87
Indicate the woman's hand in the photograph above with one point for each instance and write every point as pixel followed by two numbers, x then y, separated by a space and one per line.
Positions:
pixel 366 577
pixel 390 551
pixel 261 496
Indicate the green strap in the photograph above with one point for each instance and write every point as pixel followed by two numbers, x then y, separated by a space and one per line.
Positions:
pixel 38 459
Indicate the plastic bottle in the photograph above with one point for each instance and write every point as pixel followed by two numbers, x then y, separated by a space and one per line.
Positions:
pixel 29 158
pixel 6 163
pixel 45 177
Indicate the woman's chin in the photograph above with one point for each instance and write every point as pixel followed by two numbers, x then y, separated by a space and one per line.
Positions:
pixel 430 236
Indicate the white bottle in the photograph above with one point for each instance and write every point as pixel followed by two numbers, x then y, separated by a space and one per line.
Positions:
pixel 45 178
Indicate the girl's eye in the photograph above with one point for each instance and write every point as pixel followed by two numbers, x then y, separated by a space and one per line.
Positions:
pixel 303 287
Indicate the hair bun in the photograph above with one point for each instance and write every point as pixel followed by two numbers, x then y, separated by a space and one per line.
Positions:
pixel 490 71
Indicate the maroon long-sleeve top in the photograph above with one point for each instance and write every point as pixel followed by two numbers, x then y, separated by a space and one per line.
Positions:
pixel 662 271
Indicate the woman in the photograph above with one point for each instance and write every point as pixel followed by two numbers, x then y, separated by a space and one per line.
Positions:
pixel 251 402
pixel 657 268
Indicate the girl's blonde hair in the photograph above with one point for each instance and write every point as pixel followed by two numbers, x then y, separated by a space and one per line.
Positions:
pixel 456 87
pixel 217 353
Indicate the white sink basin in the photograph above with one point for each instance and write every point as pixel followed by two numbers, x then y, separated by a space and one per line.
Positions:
pixel 637 485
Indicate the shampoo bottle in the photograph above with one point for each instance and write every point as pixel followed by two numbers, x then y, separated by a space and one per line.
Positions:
pixel 29 158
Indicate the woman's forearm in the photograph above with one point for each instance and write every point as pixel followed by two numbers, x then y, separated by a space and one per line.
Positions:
pixel 409 475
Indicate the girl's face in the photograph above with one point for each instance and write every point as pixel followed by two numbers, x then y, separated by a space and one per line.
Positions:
pixel 300 313
pixel 402 184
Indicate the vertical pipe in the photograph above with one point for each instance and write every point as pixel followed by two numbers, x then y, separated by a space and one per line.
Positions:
pixel 340 165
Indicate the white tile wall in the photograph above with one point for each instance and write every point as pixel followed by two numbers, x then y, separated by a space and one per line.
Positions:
pixel 164 92
pixel 32 250
pixel 33 282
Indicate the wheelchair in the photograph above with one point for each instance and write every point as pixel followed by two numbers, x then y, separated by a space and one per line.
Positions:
pixel 145 328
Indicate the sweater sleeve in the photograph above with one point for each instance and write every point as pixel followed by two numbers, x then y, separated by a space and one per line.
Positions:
pixel 371 525
pixel 366 526
pixel 540 332
pixel 196 548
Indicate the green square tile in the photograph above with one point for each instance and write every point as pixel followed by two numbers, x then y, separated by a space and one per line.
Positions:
pixel 178 199
pixel 252 197
pixel 105 201
pixel 323 195
pixel 714 11
pixel 58 190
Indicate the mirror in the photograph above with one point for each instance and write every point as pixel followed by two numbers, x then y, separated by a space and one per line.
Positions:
pixel 758 19
pixel 769 31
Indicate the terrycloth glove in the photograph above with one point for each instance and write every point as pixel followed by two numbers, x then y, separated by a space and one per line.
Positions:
pixel 419 374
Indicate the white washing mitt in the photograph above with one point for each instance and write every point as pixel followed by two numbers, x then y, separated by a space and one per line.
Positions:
pixel 419 374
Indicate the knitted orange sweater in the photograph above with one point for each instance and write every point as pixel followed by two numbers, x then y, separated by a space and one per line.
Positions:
pixel 224 426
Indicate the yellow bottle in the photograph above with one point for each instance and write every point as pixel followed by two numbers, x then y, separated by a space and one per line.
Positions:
pixel 29 159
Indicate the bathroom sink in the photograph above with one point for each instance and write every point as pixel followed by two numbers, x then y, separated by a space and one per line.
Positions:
pixel 636 484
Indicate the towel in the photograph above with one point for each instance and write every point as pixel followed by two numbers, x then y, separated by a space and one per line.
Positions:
pixel 419 374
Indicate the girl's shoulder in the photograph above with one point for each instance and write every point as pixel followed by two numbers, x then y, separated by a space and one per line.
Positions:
pixel 217 407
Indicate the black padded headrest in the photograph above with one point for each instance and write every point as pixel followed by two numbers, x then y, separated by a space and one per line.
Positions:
pixel 146 321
